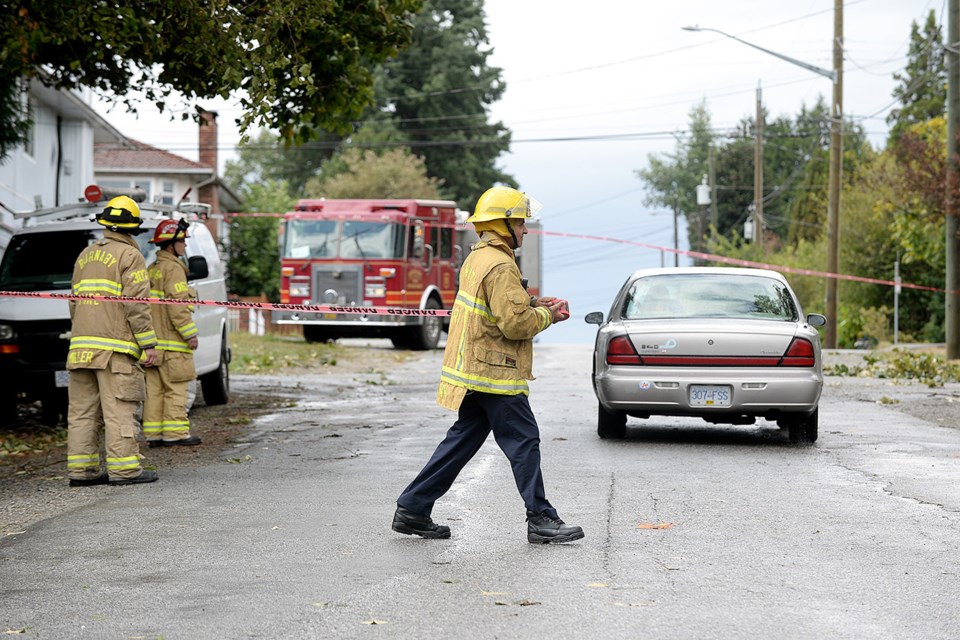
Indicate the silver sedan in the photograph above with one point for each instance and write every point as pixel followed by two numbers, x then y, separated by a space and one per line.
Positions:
pixel 727 345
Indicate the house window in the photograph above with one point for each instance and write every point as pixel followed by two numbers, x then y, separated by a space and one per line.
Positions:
pixel 166 192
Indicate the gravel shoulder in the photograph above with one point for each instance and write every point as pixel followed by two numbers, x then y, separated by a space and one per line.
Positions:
pixel 33 486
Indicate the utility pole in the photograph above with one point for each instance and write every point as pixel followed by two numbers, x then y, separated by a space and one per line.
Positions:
pixel 758 175
pixel 836 157
pixel 952 308
pixel 676 234
pixel 714 215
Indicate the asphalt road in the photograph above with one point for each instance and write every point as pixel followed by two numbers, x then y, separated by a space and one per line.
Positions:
pixel 692 530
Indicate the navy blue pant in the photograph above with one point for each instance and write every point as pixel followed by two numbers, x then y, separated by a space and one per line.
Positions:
pixel 515 430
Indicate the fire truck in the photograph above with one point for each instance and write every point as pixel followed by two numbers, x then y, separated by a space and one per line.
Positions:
pixel 404 254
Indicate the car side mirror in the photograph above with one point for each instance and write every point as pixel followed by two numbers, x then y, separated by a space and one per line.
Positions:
pixel 596 317
pixel 816 320
pixel 197 268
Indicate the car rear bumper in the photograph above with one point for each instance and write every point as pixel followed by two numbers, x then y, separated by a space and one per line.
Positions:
pixel 666 390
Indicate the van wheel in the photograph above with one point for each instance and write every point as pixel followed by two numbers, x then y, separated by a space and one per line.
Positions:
pixel 216 384
pixel 53 407
pixel 8 403
pixel 425 336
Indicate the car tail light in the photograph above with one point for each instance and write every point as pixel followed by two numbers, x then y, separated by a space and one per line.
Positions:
pixel 621 351
pixel 800 354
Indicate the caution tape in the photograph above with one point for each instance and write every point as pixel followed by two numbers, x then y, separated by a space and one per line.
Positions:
pixel 236 304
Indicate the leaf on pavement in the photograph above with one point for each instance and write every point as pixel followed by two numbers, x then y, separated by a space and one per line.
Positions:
pixel 501 603
pixel 650 525
pixel 528 603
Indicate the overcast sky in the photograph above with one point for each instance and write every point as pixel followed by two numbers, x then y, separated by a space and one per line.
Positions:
pixel 594 88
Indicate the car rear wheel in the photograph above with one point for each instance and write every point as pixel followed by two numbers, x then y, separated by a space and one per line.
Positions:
pixel 611 424
pixel 803 430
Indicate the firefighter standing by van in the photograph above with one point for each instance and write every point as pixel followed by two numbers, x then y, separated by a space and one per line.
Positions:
pixel 108 342
pixel 486 365
pixel 165 421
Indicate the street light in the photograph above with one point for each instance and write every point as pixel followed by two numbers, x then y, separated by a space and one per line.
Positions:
pixel 836 151
pixel 826 73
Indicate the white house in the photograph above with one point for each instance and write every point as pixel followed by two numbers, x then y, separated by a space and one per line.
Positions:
pixel 56 162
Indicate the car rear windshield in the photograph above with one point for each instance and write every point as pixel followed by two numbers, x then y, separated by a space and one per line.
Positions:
pixel 709 296
pixel 39 261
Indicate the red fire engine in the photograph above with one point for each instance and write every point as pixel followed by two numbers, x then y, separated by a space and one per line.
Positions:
pixel 374 253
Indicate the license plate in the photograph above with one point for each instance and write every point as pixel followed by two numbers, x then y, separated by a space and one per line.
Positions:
pixel 706 395
pixel 61 378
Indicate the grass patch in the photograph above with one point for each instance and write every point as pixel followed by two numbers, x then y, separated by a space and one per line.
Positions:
pixel 259 354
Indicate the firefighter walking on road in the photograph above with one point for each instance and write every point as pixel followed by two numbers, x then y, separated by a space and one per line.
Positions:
pixel 108 342
pixel 486 365
pixel 165 421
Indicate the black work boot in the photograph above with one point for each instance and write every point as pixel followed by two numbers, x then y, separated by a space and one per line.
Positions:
pixel 410 523
pixel 543 529
pixel 190 441
pixel 89 482
pixel 147 475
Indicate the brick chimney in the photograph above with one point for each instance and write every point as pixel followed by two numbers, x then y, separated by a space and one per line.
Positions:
pixel 208 139
pixel 210 194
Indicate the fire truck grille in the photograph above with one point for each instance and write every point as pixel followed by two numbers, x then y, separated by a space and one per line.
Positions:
pixel 337 286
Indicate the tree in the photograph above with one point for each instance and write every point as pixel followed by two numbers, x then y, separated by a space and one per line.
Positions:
pixel 438 91
pixel 268 157
pixel 393 174
pixel 254 256
pixel 922 91
pixel 673 179
pixel 298 66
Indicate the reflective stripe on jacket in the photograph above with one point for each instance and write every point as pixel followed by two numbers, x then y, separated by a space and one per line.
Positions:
pixel 173 322
pixel 111 266
pixel 490 340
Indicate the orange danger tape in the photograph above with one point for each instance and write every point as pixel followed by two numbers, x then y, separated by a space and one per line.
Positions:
pixel 303 308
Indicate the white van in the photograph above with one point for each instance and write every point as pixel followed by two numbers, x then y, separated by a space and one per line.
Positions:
pixel 35 332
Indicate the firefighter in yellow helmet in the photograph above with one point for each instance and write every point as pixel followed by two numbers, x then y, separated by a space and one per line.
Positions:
pixel 165 420
pixel 486 365
pixel 109 344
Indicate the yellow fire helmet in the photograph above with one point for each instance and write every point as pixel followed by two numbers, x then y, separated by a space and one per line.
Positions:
pixel 504 203
pixel 121 214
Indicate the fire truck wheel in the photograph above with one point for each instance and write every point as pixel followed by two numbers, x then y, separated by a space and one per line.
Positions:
pixel 314 333
pixel 425 336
